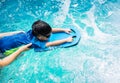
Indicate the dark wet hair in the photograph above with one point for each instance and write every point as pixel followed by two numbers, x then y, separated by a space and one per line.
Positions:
pixel 41 28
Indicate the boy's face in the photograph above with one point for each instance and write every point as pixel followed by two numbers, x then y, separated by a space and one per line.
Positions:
pixel 42 37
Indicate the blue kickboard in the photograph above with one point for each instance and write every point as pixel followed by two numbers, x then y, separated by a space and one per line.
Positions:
pixel 75 33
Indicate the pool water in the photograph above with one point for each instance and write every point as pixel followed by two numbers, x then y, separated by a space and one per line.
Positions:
pixel 95 59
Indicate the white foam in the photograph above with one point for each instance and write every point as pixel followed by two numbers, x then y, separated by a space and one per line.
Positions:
pixel 102 1
pixel 60 16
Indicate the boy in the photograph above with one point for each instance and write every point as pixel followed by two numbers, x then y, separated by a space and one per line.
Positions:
pixel 40 31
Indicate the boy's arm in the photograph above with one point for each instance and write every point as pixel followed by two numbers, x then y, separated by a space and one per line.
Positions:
pixel 9 33
pixel 58 42
pixel 7 60
pixel 61 30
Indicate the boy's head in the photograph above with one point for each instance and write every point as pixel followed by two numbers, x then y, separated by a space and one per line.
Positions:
pixel 41 30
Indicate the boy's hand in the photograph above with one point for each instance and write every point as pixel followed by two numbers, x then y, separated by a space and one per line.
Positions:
pixel 25 47
pixel 67 30
pixel 20 31
pixel 69 39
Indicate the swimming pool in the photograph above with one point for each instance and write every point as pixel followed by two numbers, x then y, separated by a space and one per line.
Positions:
pixel 95 59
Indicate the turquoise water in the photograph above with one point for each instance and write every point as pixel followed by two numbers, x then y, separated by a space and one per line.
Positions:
pixel 95 59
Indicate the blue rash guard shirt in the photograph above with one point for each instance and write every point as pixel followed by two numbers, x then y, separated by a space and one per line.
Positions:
pixel 13 41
